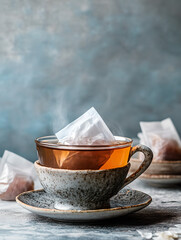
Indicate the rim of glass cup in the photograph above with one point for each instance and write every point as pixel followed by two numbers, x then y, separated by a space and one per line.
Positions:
pixel 49 141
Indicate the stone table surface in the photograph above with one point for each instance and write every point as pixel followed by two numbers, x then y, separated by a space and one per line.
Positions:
pixel 165 211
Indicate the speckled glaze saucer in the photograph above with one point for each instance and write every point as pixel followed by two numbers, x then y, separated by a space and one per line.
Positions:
pixel 125 202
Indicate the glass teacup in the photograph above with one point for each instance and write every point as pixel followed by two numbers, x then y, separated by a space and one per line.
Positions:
pixel 79 157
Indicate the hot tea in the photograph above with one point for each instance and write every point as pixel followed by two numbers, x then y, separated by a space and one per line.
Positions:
pixel 79 158
pixel 118 158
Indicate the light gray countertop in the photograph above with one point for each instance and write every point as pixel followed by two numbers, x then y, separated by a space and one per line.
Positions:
pixel 17 223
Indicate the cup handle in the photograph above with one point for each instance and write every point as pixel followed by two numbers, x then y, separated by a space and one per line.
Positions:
pixel 148 154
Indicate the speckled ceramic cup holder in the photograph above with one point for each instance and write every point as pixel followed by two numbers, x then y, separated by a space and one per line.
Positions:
pixel 88 189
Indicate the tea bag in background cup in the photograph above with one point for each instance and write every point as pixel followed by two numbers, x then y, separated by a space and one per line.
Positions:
pixel 162 138
pixel 88 129
pixel 17 175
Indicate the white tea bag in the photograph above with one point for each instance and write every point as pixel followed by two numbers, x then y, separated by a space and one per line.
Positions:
pixel 88 129
pixel 164 129
pixel 162 138
pixel 17 175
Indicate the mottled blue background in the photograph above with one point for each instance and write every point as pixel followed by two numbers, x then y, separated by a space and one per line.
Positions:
pixel 58 58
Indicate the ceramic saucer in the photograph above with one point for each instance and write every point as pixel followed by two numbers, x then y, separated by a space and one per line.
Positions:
pixel 125 202
pixel 163 167
pixel 161 179
pixel 159 172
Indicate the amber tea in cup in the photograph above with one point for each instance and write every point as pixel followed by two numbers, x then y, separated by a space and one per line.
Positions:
pixel 78 157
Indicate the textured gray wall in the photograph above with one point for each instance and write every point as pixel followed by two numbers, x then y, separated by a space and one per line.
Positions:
pixel 58 58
